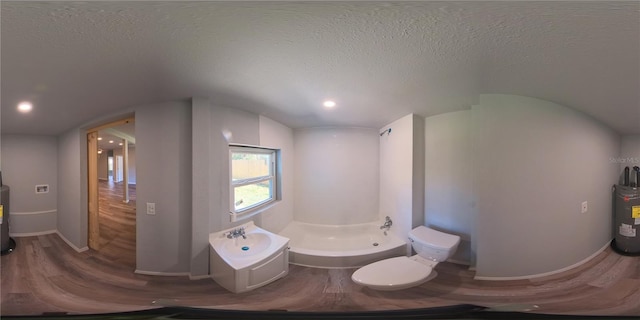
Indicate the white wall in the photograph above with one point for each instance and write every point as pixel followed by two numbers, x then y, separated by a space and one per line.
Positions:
pixel 214 128
pixel 401 189
pixel 534 163
pixel 163 149
pixel 228 126
pixel 275 135
pixel 31 160
pixel 204 196
pixel 336 175
pixel 418 172
pixel 449 197
pixel 72 214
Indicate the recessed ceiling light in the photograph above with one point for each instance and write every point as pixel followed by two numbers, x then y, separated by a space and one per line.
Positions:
pixel 329 103
pixel 99 138
pixel 110 141
pixel 25 106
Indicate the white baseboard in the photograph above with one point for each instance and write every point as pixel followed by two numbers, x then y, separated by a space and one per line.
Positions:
pixel 71 243
pixel 545 274
pixel 31 234
pixel 164 274
pixel 41 233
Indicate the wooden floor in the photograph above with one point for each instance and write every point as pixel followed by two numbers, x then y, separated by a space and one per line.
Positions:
pixel 44 274
pixel 117 222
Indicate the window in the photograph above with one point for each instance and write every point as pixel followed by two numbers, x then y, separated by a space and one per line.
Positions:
pixel 253 179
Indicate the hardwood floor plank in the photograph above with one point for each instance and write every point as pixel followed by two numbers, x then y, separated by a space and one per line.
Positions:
pixel 89 282
pixel 117 223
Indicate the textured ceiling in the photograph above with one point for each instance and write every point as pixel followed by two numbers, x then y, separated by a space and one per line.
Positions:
pixel 378 60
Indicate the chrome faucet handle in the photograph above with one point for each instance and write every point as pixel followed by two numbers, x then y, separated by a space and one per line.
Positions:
pixel 233 234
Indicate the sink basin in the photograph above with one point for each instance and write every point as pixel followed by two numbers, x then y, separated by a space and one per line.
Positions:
pixel 240 253
pixel 255 243
pixel 240 264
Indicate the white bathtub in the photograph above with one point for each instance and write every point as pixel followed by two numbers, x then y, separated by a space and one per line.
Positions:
pixel 347 246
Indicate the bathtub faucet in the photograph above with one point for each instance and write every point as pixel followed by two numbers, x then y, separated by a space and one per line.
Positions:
pixel 239 232
pixel 387 224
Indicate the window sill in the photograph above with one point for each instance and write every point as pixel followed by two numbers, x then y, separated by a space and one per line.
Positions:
pixel 245 215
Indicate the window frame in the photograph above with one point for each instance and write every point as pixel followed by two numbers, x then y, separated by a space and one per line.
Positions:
pixel 273 177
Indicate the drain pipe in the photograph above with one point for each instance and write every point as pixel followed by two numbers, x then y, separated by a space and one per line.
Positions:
pixel 626 176
pixel 7 244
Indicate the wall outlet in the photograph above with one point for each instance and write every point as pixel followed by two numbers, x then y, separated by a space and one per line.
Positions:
pixel 151 208
pixel 584 207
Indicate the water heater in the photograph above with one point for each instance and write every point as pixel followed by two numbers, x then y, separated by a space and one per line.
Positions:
pixel 626 215
pixel 6 244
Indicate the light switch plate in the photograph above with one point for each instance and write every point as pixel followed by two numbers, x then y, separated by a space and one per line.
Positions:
pixel 584 207
pixel 151 208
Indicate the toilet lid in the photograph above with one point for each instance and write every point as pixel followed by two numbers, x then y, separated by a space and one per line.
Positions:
pixel 392 274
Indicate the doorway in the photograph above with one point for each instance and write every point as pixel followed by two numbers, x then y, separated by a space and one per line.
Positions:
pixel 112 191
pixel 110 166
pixel 118 171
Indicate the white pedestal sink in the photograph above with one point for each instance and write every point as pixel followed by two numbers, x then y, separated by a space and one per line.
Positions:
pixel 241 264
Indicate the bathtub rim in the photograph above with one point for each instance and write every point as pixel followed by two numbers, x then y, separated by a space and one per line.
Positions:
pixel 395 247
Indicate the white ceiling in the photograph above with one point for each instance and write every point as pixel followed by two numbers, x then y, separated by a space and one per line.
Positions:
pixel 78 61
pixel 121 131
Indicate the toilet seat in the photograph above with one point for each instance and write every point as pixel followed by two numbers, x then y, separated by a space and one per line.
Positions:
pixel 392 274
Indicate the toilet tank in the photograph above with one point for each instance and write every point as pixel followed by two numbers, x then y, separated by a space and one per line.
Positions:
pixel 432 244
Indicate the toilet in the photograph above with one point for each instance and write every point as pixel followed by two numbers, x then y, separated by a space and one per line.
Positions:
pixel 405 272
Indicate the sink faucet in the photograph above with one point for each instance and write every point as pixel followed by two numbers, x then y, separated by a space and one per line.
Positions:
pixel 239 232
pixel 387 224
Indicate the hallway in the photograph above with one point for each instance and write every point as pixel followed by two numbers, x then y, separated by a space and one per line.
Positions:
pixel 117 223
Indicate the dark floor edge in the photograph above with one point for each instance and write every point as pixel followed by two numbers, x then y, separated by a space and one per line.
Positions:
pixel 619 251
pixel 10 248
pixel 463 311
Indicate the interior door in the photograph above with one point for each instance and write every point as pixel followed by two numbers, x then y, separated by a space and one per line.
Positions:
pixel 92 171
